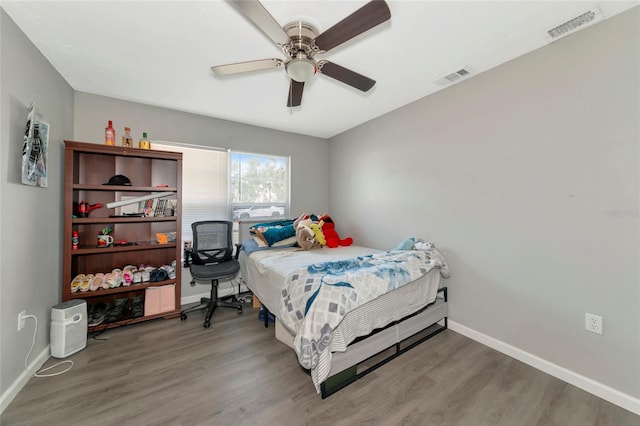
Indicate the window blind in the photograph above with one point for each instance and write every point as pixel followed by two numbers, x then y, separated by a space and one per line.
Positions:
pixel 204 183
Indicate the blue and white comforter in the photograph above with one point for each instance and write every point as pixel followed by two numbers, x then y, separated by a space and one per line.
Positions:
pixel 316 298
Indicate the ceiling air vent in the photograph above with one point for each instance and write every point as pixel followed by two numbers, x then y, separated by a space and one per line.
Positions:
pixel 453 77
pixel 573 25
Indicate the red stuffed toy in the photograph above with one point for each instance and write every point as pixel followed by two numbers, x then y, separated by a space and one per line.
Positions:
pixel 330 234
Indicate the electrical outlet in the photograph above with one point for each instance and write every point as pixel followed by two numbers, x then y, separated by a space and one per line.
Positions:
pixel 21 319
pixel 593 323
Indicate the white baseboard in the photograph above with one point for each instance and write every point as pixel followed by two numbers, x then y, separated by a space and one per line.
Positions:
pixel 222 292
pixel 192 299
pixel 605 392
pixel 23 378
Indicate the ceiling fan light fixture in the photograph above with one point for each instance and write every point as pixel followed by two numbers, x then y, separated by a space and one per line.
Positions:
pixel 301 68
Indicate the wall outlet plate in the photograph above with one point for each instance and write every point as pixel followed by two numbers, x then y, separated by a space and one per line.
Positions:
pixel 593 323
pixel 21 320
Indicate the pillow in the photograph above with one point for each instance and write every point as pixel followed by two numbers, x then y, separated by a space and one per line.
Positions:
pixel 287 242
pixel 283 243
pixel 251 245
pixel 261 227
pixel 273 234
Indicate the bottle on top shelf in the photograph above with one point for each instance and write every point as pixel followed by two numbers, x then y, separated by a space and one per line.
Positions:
pixel 110 134
pixel 144 143
pixel 127 140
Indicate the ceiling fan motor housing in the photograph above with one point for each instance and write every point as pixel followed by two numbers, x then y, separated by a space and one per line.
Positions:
pixel 301 67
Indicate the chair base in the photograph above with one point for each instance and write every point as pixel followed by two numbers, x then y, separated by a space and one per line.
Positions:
pixel 211 304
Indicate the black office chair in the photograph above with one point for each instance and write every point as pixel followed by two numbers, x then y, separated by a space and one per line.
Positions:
pixel 212 260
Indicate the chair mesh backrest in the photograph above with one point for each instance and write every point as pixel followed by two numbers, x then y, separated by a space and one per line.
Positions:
pixel 211 241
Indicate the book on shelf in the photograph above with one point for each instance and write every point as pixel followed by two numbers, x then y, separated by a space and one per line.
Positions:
pixel 155 207
pixel 158 207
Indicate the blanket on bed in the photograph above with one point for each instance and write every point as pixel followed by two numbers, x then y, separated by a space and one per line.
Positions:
pixel 317 297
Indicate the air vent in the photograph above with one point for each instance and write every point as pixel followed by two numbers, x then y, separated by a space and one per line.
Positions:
pixel 573 25
pixel 453 77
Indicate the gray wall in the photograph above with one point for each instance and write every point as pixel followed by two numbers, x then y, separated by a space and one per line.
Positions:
pixel 527 177
pixel 309 155
pixel 30 217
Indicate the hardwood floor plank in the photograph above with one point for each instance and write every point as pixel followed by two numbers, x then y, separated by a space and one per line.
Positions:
pixel 172 372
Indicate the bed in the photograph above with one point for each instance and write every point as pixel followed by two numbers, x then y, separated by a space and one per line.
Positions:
pixel 363 336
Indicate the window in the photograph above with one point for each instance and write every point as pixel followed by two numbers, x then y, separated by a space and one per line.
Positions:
pixel 221 185
pixel 259 187
pixel 204 183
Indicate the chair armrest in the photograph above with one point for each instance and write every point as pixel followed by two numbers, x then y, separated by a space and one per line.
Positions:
pixel 238 246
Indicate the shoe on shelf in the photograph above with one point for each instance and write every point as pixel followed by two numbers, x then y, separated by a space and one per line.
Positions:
pixel 146 273
pixel 97 313
pixel 129 268
pixel 137 306
pixel 170 270
pixel 158 275
pixel 119 308
pixel 98 282
pixel 86 283
pixel 127 278
pixel 76 283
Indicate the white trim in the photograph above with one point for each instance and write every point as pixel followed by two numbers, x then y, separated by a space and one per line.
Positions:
pixel 603 391
pixel 222 292
pixel 193 298
pixel 187 145
pixel 23 378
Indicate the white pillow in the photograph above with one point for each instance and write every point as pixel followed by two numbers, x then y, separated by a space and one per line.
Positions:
pixel 286 242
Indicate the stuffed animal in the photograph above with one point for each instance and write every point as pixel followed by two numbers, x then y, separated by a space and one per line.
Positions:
pixel 317 231
pixel 305 236
pixel 332 238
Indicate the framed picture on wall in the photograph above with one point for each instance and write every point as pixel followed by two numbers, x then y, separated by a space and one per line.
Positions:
pixel 34 150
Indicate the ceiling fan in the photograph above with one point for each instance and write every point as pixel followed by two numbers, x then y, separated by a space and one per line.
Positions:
pixel 300 42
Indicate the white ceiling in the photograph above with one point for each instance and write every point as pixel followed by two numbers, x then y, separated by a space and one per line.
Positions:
pixel 160 53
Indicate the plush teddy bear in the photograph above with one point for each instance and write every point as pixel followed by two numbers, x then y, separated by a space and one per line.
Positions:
pixel 331 236
pixel 305 236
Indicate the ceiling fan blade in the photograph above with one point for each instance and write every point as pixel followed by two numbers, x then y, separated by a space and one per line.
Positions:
pixel 294 98
pixel 256 13
pixel 260 64
pixel 346 76
pixel 368 16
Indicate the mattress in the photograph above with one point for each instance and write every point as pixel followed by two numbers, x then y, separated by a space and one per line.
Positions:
pixel 265 273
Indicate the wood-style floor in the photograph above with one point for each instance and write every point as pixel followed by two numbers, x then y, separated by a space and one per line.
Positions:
pixel 172 372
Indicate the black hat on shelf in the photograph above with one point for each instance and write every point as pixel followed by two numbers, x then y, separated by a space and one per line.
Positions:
pixel 118 180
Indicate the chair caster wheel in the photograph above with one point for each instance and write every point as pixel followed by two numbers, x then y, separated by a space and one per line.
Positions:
pixel 183 317
pixel 239 311
pixel 207 324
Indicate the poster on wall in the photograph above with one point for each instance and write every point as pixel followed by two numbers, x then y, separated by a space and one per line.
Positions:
pixel 34 150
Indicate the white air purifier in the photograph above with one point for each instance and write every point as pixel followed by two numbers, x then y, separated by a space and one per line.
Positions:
pixel 68 328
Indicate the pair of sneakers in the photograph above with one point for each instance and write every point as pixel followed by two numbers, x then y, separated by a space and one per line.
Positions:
pixel 121 306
